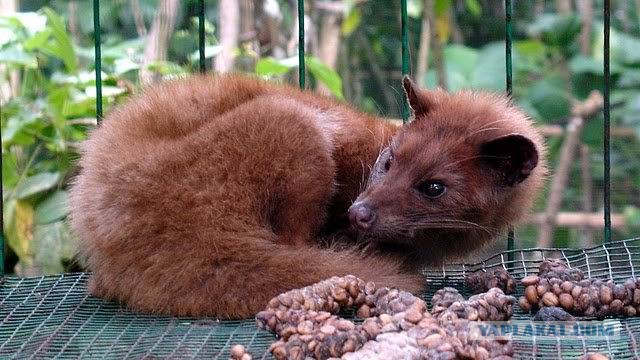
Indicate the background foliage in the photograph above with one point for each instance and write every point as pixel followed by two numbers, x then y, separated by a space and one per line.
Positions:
pixel 48 85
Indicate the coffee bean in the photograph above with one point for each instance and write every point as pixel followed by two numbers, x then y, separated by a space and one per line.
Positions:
pixel 566 301
pixel 531 294
pixel 530 280
pixel 550 299
pixel 606 295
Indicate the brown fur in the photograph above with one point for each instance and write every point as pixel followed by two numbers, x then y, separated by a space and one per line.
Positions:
pixel 204 196
pixel 445 142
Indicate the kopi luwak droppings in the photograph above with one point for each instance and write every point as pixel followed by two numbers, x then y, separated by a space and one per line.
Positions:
pixel 557 285
pixel 398 325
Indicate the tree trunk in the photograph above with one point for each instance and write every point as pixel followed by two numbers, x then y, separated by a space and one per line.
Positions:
pixel 228 22
pixel 592 221
pixel 425 44
pixel 329 43
pixel 564 6
pixel 438 54
pixel 585 8
pixel 138 18
pixel 10 88
pixel 581 111
pixel 560 180
pixel 456 33
pixel 72 8
pixel 158 38
pixel 269 34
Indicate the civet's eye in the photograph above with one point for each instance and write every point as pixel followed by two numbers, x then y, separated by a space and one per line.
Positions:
pixel 387 164
pixel 432 189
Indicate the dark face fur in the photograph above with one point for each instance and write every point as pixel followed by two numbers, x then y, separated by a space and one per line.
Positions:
pixel 454 178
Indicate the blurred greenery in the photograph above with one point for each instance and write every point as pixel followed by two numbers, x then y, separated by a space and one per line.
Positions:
pixel 44 124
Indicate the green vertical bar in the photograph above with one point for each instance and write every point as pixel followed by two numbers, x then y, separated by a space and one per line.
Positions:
pixel 405 57
pixel 98 59
pixel 509 78
pixel 201 35
pixel 607 143
pixel 508 40
pixel 301 66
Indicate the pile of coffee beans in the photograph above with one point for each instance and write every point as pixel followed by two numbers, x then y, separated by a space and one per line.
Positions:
pixel 431 339
pixel 447 304
pixel 481 281
pixel 397 324
pixel 557 285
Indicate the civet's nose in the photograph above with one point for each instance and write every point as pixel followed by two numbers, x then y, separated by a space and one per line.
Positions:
pixel 362 216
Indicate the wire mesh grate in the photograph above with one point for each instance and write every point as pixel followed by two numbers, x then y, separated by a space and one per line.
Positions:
pixel 53 317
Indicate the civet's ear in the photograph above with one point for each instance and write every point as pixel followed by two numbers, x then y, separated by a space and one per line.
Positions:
pixel 379 168
pixel 420 101
pixel 511 157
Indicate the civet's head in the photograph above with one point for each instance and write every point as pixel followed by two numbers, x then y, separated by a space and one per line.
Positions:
pixel 466 167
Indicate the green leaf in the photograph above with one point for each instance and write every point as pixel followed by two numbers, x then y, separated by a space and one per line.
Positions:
pixel 30 21
pixel 530 49
pixel 460 58
pixel 528 108
pixel 474 7
pixel 107 91
pixel 624 48
pixel 61 46
pixel 58 99
pixel 351 23
pixel 581 64
pixel 10 173
pixel 53 208
pixel 630 79
pixel 19 227
pixel 441 7
pixel 36 184
pixel 632 216
pixel 555 29
pixel 21 129
pixel 166 68
pixel 52 243
pixel 490 68
pixel 549 97
pixel 325 75
pixel 15 55
pixel 209 52
pixel 7 35
pixel 38 40
pixel 269 67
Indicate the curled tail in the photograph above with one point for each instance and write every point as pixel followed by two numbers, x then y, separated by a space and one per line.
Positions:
pixel 237 282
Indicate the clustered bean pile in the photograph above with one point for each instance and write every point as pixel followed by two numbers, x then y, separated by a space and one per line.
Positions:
pixel 397 324
pixel 447 304
pixel 557 285
pixel 482 281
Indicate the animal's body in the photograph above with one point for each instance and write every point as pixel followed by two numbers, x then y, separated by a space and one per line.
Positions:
pixel 206 196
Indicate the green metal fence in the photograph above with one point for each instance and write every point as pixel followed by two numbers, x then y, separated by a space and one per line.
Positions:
pixel 53 317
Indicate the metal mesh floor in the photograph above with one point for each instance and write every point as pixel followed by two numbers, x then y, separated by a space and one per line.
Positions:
pixel 53 317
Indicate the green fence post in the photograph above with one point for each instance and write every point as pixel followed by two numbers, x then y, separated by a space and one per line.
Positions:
pixel 301 65
pixel 508 6
pixel 203 67
pixel 607 144
pixel 98 59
